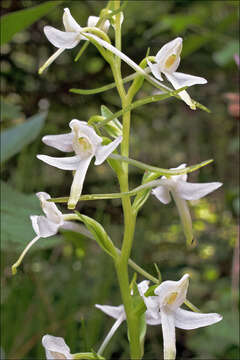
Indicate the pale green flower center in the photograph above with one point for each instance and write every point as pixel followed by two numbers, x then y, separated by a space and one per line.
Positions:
pixel 85 145
pixel 170 61
pixel 172 298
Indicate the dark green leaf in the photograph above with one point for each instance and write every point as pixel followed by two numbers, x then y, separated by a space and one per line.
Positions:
pixel 20 20
pixel 14 139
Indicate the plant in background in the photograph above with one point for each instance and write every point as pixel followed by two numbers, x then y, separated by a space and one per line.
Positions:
pixel 142 304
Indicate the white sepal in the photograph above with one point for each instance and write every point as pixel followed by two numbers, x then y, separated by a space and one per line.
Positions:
pixel 189 320
pixel 56 348
pixel 93 20
pixel 43 227
pixel 188 80
pixel 60 142
pixel 62 39
pixel 67 163
pixel 69 22
pixel 195 191
pixel 183 94
pixel 162 194
pixel 114 311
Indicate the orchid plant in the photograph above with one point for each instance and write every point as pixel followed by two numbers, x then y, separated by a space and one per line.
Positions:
pixel 143 304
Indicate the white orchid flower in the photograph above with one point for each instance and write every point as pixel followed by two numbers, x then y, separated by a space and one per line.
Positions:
pixel 44 226
pixel 170 296
pixel 86 144
pixel 181 190
pixel 69 38
pixel 167 62
pixel 56 348
pixel 118 313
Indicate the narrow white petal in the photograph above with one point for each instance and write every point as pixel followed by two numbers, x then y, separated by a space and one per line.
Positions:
pixel 67 163
pixel 50 209
pixel 114 311
pixel 155 70
pixel 62 39
pixel 189 320
pixel 162 194
pixel 102 152
pixel 188 80
pixel 50 60
pixel 18 262
pixel 183 94
pixel 172 294
pixel 69 22
pixel 56 348
pixel 44 227
pixel 195 191
pixel 78 180
pixel 169 337
pixel 185 215
pixel 61 142
pixel 110 334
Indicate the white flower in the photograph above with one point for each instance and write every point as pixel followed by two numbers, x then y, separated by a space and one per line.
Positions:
pixel 56 348
pixel 86 144
pixel 118 313
pixel 44 226
pixel 181 191
pixel 69 38
pixel 170 296
pixel 167 62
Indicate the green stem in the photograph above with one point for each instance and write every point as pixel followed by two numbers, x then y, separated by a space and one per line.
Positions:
pixel 121 263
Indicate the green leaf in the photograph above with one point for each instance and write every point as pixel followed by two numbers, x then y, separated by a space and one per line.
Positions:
pixel 16 227
pixel 19 20
pixel 99 234
pixel 14 139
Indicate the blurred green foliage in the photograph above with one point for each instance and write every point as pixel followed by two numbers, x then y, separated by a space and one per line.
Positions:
pixel 57 288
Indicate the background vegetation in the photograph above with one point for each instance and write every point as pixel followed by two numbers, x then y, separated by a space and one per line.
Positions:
pixel 56 288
